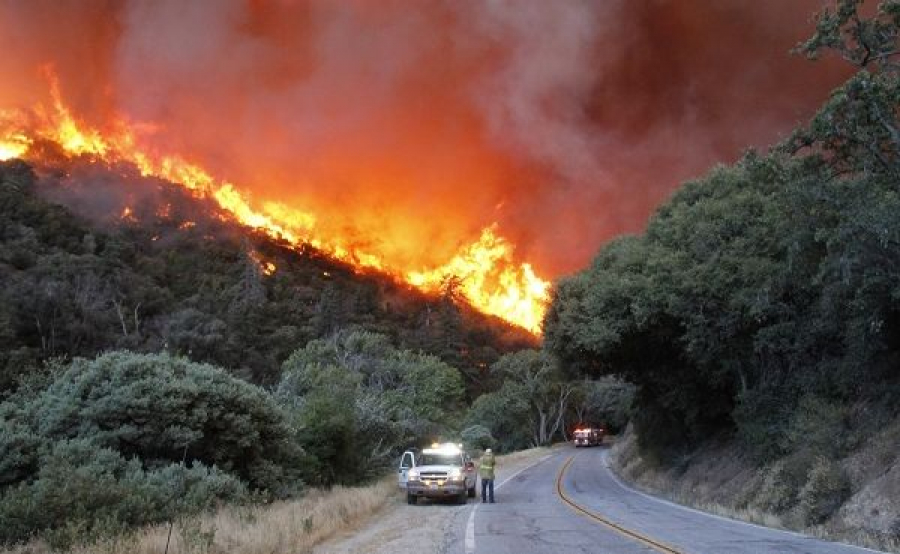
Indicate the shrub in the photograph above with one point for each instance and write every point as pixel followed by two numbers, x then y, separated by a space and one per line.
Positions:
pixel 782 482
pixel 760 417
pixel 825 490
pixel 83 491
pixel 19 449
pixel 160 409
pixel 819 426
pixel 776 493
pixel 478 437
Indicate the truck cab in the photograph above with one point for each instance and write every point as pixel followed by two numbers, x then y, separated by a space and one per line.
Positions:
pixel 441 471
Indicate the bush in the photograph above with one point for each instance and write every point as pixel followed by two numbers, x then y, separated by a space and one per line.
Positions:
pixel 825 490
pixel 19 449
pixel 478 437
pixel 159 409
pixel 818 426
pixel 83 491
pixel 777 492
pixel 760 416
pixel 783 481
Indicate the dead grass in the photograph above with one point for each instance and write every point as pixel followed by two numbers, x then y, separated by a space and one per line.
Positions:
pixel 293 527
pixel 522 457
pixel 717 484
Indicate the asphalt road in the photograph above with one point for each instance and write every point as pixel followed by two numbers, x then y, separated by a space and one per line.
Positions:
pixel 571 503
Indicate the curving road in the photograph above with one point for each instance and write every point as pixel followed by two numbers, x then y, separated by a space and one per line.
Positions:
pixel 570 502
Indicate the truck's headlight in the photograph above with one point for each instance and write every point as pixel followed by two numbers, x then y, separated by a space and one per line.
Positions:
pixel 413 475
pixel 455 474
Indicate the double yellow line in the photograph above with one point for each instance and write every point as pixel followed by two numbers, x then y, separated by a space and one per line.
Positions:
pixel 643 539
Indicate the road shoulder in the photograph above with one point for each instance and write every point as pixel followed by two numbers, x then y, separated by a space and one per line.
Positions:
pixel 430 526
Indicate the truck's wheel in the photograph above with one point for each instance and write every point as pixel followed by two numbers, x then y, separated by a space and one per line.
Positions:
pixel 411 499
pixel 462 498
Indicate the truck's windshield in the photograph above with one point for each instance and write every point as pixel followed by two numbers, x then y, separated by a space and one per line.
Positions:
pixel 440 460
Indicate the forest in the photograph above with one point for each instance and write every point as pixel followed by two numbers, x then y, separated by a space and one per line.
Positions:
pixel 95 258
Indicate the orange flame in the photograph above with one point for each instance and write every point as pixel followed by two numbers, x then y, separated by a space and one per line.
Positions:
pixel 267 268
pixel 483 273
pixel 14 143
pixel 13 146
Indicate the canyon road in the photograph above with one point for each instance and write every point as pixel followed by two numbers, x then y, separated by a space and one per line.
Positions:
pixel 571 502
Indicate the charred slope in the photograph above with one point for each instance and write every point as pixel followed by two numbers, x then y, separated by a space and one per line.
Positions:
pixel 95 257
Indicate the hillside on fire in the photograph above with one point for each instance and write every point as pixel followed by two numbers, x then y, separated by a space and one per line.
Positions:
pixel 96 257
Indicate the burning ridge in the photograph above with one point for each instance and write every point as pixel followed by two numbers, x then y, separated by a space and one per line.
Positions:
pixel 483 273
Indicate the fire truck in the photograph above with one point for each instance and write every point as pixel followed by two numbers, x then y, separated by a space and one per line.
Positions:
pixel 588 436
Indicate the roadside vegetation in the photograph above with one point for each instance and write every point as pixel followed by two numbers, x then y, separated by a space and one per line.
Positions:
pixel 296 525
pixel 762 304
pixel 283 526
pixel 720 479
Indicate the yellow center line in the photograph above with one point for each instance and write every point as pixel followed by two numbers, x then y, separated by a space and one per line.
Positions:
pixel 654 544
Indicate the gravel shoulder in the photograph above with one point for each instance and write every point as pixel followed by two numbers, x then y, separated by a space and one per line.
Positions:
pixel 428 527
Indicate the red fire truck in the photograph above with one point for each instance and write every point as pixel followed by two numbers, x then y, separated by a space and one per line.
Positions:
pixel 588 436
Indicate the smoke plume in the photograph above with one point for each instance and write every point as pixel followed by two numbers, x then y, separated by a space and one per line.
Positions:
pixel 413 125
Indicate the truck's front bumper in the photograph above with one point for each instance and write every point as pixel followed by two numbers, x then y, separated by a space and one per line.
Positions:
pixel 436 489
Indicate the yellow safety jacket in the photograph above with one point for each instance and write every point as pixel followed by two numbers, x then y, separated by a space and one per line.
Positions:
pixel 486 470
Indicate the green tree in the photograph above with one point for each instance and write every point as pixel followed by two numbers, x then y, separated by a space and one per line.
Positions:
pixel 505 413
pixel 358 400
pixel 531 405
pixel 605 401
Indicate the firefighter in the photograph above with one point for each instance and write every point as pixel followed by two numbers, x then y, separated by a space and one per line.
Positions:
pixel 486 472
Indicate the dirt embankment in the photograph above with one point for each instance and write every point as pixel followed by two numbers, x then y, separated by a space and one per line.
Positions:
pixel 855 499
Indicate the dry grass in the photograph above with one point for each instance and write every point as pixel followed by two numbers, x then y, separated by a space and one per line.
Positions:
pixel 286 527
pixel 712 481
pixel 522 457
pixel 294 527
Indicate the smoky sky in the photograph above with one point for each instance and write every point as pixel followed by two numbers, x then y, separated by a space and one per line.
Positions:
pixel 411 125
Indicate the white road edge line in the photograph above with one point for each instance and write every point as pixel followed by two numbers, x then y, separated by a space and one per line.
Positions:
pixel 470 524
pixel 628 488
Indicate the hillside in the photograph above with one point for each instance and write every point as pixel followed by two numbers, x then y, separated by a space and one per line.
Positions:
pixel 95 257
pixel 149 342
pixel 759 314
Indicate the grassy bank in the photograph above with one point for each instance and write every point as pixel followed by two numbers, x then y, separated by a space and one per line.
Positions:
pixel 296 526
pixel 719 479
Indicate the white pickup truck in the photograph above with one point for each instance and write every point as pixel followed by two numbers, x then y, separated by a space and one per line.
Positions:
pixel 442 471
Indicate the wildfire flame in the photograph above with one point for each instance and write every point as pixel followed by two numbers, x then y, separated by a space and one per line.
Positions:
pixel 483 273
